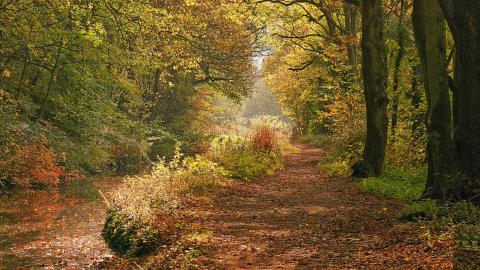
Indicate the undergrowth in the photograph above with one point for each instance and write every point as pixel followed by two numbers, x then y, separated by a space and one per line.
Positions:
pixel 244 160
pixel 459 221
pixel 144 213
pixel 395 183
pixel 260 153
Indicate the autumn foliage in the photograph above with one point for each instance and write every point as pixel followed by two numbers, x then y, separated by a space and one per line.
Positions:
pixel 35 163
pixel 264 139
pixel 38 166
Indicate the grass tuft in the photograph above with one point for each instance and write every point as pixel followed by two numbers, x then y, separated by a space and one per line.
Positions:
pixel 406 185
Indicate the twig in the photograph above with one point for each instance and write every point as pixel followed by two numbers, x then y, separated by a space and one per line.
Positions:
pixel 137 265
pixel 104 198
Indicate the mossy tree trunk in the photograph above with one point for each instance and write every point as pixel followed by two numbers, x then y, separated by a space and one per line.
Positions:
pixel 374 72
pixel 429 30
pixel 463 17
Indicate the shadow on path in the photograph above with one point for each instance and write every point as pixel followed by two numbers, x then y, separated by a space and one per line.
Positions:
pixel 301 219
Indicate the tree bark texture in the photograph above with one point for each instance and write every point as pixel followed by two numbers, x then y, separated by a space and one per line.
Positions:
pixel 429 30
pixel 374 72
pixel 463 17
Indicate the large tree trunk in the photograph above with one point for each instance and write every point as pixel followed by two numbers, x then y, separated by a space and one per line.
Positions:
pixel 429 29
pixel 374 72
pixel 464 21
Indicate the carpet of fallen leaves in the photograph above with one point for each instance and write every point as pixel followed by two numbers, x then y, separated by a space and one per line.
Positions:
pixel 301 219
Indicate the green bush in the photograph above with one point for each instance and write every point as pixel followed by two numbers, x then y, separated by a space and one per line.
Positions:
pixel 128 236
pixel 341 154
pixel 468 237
pixel 162 148
pixel 259 153
pixel 320 140
pixel 239 157
pixel 130 154
pixel 452 213
pixel 335 168
pixel 201 173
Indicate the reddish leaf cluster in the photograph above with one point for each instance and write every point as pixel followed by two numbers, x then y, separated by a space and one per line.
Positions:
pixel 36 163
pixel 264 139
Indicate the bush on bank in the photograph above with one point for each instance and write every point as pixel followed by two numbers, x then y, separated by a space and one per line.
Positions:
pixel 145 211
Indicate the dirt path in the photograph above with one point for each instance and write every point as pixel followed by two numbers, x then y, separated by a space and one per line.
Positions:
pixel 301 219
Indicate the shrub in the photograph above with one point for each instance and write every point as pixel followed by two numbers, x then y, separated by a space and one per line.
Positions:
pixel 164 147
pixel 319 140
pixel 408 148
pixel 34 163
pixel 201 173
pixel 37 166
pixel 454 213
pixel 129 237
pixel 240 158
pixel 130 155
pixel 345 121
pixel 467 253
pixel 335 168
pixel 264 140
pixel 274 128
pixel 143 213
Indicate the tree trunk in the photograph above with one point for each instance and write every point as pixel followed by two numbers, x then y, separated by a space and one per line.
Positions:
pixel 464 21
pixel 398 63
pixel 351 13
pixel 154 95
pixel 22 76
pixel 374 72
pixel 429 30
pixel 50 82
pixel 415 100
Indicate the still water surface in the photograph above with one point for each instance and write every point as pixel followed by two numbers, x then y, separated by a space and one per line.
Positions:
pixel 54 228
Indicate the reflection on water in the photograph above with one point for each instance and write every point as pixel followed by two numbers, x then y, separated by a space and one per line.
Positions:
pixel 54 228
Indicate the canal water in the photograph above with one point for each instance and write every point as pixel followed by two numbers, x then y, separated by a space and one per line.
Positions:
pixel 55 228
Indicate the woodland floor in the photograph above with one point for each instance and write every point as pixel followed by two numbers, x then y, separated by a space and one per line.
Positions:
pixel 298 218
pixel 301 219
